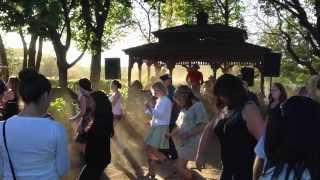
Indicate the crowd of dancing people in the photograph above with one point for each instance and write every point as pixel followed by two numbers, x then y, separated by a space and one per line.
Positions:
pixel 257 143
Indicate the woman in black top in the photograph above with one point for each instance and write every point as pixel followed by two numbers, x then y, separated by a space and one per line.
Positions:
pixel 237 128
pixel 97 152
pixel 11 98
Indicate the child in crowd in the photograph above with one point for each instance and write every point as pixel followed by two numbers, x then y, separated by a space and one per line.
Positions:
pixel 116 100
pixel 156 138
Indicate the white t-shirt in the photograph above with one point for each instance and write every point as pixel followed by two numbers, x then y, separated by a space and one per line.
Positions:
pixel 116 108
pixel 38 149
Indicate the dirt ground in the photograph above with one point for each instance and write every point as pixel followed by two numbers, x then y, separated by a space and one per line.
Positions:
pixel 128 160
pixel 209 173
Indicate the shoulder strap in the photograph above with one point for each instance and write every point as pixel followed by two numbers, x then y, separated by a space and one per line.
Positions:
pixel 5 144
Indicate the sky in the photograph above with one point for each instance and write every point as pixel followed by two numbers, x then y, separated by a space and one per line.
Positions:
pixel 132 38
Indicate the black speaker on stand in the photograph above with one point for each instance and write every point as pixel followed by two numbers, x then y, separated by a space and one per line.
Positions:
pixel 112 68
pixel 247 74
pixel 271 65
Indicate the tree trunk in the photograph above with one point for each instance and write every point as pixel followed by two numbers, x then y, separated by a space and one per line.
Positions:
pixel 95 64
pixel 39 54
pixel 262 91
pixel 62 69
pixel 32 52
pixel 63 76
pixel 3 61
pixel 25 50
pixel 159 15
pixel 62 64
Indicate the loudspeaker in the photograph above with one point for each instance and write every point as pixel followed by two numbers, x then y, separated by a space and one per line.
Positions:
pixel 271 65
pixel 112 68
pixel 248 75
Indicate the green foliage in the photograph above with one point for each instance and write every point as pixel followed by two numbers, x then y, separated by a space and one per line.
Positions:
pixel 292 73
pixel 32 15
pixel 295 32
pixel 118 21
pixel 14 57
pixel 49 66
pixel 117 24
pixel 57 106
pixel 183 11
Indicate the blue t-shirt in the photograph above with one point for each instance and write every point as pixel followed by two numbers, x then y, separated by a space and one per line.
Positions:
pixel 38 148
pixel 259 149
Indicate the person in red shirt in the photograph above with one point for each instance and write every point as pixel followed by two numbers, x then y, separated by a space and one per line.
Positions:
pixel 194 78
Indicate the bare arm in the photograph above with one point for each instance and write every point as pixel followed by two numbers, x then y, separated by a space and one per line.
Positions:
pixel 83 108
pixel 257 168
pixel 115 99
pixel 203 145
pixel 254 120
pixel 204 138
pixel 197 130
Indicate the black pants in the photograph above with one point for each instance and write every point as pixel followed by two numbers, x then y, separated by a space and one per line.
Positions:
pixel 92 172
pixel 170 153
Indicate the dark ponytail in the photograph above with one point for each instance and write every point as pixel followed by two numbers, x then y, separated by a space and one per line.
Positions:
pixel 32 85
pixel 117 84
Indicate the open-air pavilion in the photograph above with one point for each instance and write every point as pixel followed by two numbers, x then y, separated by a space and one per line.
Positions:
pixel 216 45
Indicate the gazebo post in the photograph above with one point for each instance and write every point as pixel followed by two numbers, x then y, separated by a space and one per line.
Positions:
pixel 130 66
pixel 157 68
pixel 170 66
pixel 140 67
pixel 148 70
pixel 214 68
pixel 262 85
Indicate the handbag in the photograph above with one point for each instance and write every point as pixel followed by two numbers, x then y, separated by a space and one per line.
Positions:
pixel 5 144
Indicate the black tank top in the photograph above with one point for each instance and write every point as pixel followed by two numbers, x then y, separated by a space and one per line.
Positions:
pixel 237 144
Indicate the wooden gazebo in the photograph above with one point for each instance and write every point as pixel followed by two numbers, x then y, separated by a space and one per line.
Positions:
pixel 216 45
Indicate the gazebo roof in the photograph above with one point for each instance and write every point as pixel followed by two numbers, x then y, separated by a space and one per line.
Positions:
pixel 200 28
pixel 201 43
pixel 213 30
pixel 205 52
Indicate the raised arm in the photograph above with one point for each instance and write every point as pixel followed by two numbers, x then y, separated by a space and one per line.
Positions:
pixel 83 108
